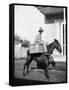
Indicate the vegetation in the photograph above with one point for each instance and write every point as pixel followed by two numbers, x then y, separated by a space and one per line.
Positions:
pixel 18 40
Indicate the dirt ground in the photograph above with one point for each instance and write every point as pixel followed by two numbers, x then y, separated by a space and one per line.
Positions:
pixel 57 74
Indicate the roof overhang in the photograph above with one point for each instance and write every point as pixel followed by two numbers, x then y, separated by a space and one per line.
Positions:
pixel 50 10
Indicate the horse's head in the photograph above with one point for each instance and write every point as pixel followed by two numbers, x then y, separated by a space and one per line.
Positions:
pixel 57 46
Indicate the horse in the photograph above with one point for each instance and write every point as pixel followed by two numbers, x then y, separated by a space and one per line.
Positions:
pixel 43 59
pixel 50 49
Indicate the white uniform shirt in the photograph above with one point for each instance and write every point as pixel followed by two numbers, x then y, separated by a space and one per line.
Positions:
pixel 38 38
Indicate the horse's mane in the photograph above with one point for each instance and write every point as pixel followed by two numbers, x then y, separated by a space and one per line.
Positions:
pixel 49 46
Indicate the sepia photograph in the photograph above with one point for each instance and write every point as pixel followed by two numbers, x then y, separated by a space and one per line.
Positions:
pixel 38 44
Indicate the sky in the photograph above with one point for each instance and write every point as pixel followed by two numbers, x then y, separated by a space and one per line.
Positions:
pixel 28 20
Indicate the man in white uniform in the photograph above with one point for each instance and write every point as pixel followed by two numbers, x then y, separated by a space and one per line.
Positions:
pixel 39 40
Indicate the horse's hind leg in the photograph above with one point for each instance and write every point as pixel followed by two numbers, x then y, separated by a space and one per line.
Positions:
pixel 24 68
pixel 29 61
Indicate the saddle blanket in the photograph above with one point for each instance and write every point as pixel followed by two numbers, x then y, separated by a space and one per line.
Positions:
pixel 36 48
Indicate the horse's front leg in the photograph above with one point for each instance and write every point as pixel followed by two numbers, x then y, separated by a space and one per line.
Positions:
pixel 46 72
pixel 51 61
pixel 46 68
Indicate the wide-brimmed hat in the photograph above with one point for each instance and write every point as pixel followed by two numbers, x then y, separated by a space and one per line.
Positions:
pixel 40 30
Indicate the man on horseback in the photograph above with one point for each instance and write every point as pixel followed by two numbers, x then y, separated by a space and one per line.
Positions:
pixel 39 40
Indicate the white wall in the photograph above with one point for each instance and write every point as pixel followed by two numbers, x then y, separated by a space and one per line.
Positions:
pixel 50 32
pixel 20 52
pixel 17 53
